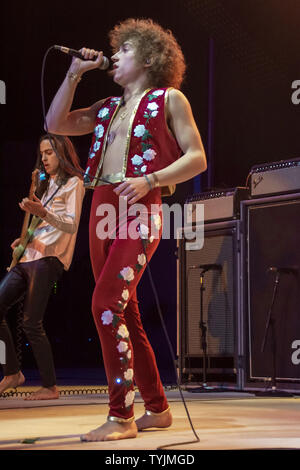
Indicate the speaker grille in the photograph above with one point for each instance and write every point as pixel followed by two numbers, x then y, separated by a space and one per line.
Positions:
pixel 273 241
pixel 218 304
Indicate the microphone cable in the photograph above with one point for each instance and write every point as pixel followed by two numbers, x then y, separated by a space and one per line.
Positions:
pixel 197 439
pixel 44 114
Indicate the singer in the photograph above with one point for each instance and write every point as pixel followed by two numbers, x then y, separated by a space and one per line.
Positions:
pixel 137 141
pixel 48 252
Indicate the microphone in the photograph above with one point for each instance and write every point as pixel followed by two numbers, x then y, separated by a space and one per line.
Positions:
pixel 207 267
pixel 103 66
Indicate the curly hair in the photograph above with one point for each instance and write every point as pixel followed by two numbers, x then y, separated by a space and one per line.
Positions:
pixel 155 43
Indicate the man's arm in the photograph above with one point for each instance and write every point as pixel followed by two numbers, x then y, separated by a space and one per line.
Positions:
pixel 183 126
pixel 59 119
pixel 66 219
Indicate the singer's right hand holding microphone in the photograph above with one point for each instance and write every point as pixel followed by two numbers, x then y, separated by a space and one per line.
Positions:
pixel 79 66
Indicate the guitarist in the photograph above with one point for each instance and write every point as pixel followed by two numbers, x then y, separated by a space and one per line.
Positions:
pixel 56 208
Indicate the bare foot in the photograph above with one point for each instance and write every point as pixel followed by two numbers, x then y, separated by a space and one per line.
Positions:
pixel 44 393
pixel 111 431
pixel 11 381
pixel 163 420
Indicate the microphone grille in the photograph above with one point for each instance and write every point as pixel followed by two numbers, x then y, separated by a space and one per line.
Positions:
pixel 104 64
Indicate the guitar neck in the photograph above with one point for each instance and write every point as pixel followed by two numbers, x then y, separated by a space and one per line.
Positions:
pixel 25 225
pixel 25 236
pixel 27 214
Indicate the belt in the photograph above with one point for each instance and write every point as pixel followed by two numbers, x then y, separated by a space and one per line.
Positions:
pixel 111 179
pixel 119 178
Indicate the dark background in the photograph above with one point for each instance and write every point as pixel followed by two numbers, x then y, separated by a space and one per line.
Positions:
pixel 242 57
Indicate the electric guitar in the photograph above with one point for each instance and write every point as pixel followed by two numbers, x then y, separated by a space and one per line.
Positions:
pixel 26 232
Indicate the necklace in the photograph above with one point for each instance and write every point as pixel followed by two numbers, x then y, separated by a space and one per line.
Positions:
pixel 112 134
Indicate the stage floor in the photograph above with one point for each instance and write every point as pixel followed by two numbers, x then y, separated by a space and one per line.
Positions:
pixel 225 421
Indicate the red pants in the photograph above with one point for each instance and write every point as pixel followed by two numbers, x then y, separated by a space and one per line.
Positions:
pixel 118 264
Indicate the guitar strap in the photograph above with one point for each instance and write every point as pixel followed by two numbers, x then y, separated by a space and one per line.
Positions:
pixel 52 195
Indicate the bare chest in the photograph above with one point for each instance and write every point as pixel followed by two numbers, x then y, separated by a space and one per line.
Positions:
pixel 116 144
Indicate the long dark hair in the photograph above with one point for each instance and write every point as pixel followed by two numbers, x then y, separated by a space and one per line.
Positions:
pixel 68 162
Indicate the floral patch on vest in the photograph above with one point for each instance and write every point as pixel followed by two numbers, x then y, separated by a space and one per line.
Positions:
pixel 140 131
pixel 103 119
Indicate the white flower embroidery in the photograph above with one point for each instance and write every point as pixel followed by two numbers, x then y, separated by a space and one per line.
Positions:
pixel 99 131
pixel 158 92
pixel 129 397
pixel 151 238
pixel 122 331
pixel 92 155
pixel 139 130
pixel 149 154
pixel 96 146
pixel 154 113
pixel 142 259
pixel 127 274
pixel 107 317
pixel 125 294
pixel 137 160
pixel 129 354
pixel 143 169
pixel 144 230
pixel 157 221
pixel 128 374
pixel 103 112
pixel 153 106
pixel 122 346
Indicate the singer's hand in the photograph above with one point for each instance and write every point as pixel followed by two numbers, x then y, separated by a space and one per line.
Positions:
pixel 79 66
pixel 34 206
pixel 133 189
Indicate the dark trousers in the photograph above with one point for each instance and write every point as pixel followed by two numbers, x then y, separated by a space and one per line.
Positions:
pixel 35 279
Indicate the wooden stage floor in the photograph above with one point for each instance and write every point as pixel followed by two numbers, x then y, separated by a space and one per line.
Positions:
pixel 224 421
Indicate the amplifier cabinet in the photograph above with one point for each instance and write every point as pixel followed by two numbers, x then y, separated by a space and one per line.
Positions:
pixel 270 237
pixel 223 204
pixel 221 300
pixel 275 178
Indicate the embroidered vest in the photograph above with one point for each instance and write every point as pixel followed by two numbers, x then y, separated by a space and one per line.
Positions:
pixel 150 144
